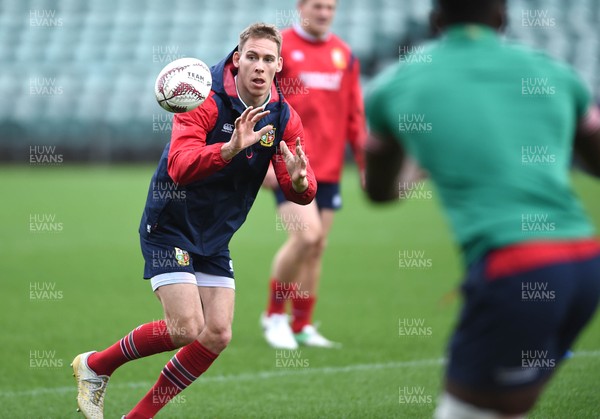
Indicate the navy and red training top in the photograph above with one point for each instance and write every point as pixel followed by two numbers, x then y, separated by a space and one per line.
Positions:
pixel 197 200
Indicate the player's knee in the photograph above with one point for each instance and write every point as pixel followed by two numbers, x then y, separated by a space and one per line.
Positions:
pixel 310 241
pixel 219 335
pixel 185 330
pixel 317 248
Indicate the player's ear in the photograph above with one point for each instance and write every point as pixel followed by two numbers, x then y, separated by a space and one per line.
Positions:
pixel 279 64
pixel 236 59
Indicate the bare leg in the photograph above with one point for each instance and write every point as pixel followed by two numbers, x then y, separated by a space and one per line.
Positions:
pixel 303 225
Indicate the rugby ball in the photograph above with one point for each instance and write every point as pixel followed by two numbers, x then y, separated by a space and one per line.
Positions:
pixel 182 85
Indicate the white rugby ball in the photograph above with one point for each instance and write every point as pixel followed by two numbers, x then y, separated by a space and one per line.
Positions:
pixel 183 85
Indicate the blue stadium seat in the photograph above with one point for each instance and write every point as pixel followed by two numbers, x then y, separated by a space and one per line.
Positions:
pixel 105 55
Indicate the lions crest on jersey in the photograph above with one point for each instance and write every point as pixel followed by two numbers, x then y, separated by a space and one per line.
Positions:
pixel 182 256
pixel 339 59
pixel 268 139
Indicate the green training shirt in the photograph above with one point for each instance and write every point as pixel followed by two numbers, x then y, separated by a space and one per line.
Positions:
pixel 493 123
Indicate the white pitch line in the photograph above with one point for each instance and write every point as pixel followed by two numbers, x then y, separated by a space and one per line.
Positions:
pixel 265 375
pixel 262 375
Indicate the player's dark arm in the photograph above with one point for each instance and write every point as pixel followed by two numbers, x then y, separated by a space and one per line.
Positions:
pixel 587 142
pixel 390 172
pixel 384 159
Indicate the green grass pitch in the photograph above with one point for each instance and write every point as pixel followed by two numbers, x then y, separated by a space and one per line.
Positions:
pixel 79 288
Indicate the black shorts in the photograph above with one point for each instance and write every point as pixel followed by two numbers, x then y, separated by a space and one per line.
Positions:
pixel 328 196
pixel 165 264
pixel 515 329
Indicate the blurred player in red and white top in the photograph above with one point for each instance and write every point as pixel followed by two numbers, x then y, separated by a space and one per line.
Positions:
pixel 321 80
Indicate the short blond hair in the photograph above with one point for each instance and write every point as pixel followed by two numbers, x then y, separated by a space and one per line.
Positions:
pixel 261 31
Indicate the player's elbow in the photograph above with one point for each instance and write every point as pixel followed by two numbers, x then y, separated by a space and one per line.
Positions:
pixel 593 171
pixel 383 164
pixel 380 191
pixel 587 153
pixel 379 196
pixel 586 165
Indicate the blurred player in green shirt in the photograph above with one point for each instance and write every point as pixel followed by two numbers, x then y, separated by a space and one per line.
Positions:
pixel 494 125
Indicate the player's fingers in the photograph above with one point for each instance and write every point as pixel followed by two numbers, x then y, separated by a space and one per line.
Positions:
pixel 264 130
pixel 300 151
pixel 283 147
pixel 285 150
pixel 253 111
pixel 300 170
pixel 302 164
pixel 244 115
pixel 298 146
pixel 256 111
pixel 258 116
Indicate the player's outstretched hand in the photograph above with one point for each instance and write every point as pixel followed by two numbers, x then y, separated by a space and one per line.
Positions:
pixel 296 165
pixel 244 135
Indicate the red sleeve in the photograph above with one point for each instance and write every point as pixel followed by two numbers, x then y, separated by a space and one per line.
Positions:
pixel 294 130
pixel 357 132
pixel 190 158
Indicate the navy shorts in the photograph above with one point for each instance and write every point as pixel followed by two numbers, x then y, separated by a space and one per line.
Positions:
pixel 171 262
pixel 515 327
pixel 328 196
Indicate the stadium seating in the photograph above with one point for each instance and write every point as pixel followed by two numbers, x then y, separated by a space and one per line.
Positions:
pixel 80 75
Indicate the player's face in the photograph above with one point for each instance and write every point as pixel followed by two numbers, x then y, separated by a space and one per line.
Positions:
pixel 317 16
pixel 257 63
